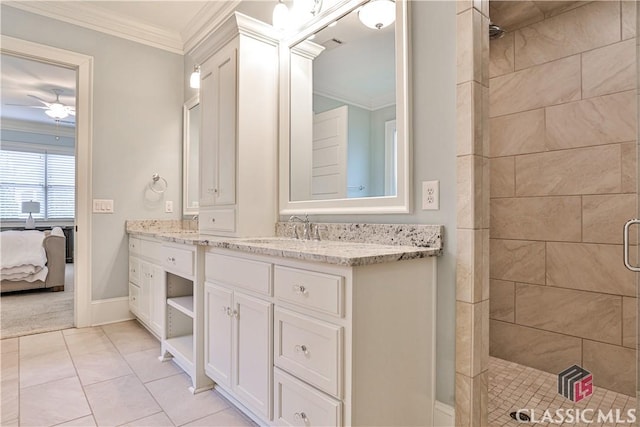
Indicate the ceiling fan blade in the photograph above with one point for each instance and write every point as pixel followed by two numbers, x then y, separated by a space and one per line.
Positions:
pixel 40 99
pixel 28 106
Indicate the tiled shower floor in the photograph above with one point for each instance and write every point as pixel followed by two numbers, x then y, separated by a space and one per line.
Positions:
pixel 513 387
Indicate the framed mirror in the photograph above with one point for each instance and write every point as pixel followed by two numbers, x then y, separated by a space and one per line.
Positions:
pixel 345 141
pixel 190 149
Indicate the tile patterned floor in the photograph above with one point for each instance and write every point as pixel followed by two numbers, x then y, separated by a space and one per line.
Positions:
pixel 103 376
pixel 513 387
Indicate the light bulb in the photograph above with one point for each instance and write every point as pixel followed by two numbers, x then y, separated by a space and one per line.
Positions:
pixel 280 16
pixel 57 111
pixel 377 14
pixel 194 80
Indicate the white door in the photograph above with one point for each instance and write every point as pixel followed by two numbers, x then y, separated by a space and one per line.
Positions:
pixel 217 333
pixel 254 356
pixel 329 159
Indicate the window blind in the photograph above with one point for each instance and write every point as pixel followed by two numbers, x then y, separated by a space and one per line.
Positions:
pixel 40 177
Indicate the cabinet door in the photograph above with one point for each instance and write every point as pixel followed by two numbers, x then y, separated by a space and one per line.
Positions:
pixel 218 100
pixel 226 107
pixel 253 355
pixel 144 308
pixel 157 299
pixel 208 129
pixel 217 333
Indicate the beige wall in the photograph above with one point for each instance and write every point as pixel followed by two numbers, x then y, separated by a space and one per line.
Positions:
pixel 563 183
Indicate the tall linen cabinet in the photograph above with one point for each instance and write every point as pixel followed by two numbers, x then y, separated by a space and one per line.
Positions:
pixel 239 132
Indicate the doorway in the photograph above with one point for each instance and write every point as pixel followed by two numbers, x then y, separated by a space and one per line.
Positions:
pixel 37 171
pixel 82 67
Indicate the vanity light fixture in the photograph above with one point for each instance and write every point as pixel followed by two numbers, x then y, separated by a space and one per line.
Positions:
pixel 377 14
pixel 311 7
pixel 280 16
pixel 301 12
pixel 194 80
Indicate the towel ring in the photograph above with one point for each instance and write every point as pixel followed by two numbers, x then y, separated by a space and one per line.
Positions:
pixel 158 184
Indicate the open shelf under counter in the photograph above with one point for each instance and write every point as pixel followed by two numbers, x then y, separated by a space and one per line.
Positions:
pixel 181 347
pixel 183 304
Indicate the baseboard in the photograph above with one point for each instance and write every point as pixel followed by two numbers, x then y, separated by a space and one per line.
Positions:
pixel 443 415
pixel 110 310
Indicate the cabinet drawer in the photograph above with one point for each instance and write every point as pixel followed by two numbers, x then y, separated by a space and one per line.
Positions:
pixel 178 260
pixel 297 404
pixel 151 250
pixel 134 270
pixel 218 220
pixel 318 291
pixel 134 299
pixel 134 245
pixel 309 349
pixel 244 273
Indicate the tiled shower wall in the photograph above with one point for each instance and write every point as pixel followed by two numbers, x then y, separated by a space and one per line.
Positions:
pixel 563 183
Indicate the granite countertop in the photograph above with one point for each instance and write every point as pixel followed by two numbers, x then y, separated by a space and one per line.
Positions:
pixel 338 252
pixel 328 251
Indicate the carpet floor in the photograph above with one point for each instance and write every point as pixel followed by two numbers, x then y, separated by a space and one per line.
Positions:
pixel 36 311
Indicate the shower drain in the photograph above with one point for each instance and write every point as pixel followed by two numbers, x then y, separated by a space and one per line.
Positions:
pixel 520 416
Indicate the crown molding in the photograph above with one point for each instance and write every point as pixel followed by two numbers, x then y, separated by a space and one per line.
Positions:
pixel 38 127
pixel 236 23
pixel 87 15
pixel 210 17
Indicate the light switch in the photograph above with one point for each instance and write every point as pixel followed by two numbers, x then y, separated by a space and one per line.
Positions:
pixel 102 205
pixel 168 206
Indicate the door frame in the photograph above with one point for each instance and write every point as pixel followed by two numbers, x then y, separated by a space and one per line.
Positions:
pixel 83 64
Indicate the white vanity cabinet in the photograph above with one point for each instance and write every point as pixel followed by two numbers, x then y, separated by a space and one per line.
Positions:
pixel 238 330
pixel 146 283
pixel 238 139
pixel 351 345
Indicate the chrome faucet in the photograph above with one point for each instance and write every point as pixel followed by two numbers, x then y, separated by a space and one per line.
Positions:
pixel 306 231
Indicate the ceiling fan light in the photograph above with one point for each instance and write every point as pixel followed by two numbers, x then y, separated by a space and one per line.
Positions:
pixel 57 111
pixel 377 14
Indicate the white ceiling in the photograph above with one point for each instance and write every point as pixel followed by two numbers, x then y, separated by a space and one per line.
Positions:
pixel 168 15
pixel 23 77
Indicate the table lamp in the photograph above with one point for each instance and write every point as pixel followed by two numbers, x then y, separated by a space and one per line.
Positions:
pixel 30 207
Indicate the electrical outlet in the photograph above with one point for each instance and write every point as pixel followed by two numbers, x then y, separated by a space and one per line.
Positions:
pixel 168 206
pixel 430 195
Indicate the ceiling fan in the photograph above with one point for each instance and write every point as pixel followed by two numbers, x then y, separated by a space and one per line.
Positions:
pixel 56 109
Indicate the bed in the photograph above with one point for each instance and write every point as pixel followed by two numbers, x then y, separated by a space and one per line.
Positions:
pixel 32 259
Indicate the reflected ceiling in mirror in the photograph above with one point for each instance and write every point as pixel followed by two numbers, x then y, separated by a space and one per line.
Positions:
pixel 343 112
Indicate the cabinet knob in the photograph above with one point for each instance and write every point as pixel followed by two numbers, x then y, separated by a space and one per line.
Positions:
pixel 301 348
pixel 300 289
pixel 301 416
pixel 171 259
pixel 213 220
